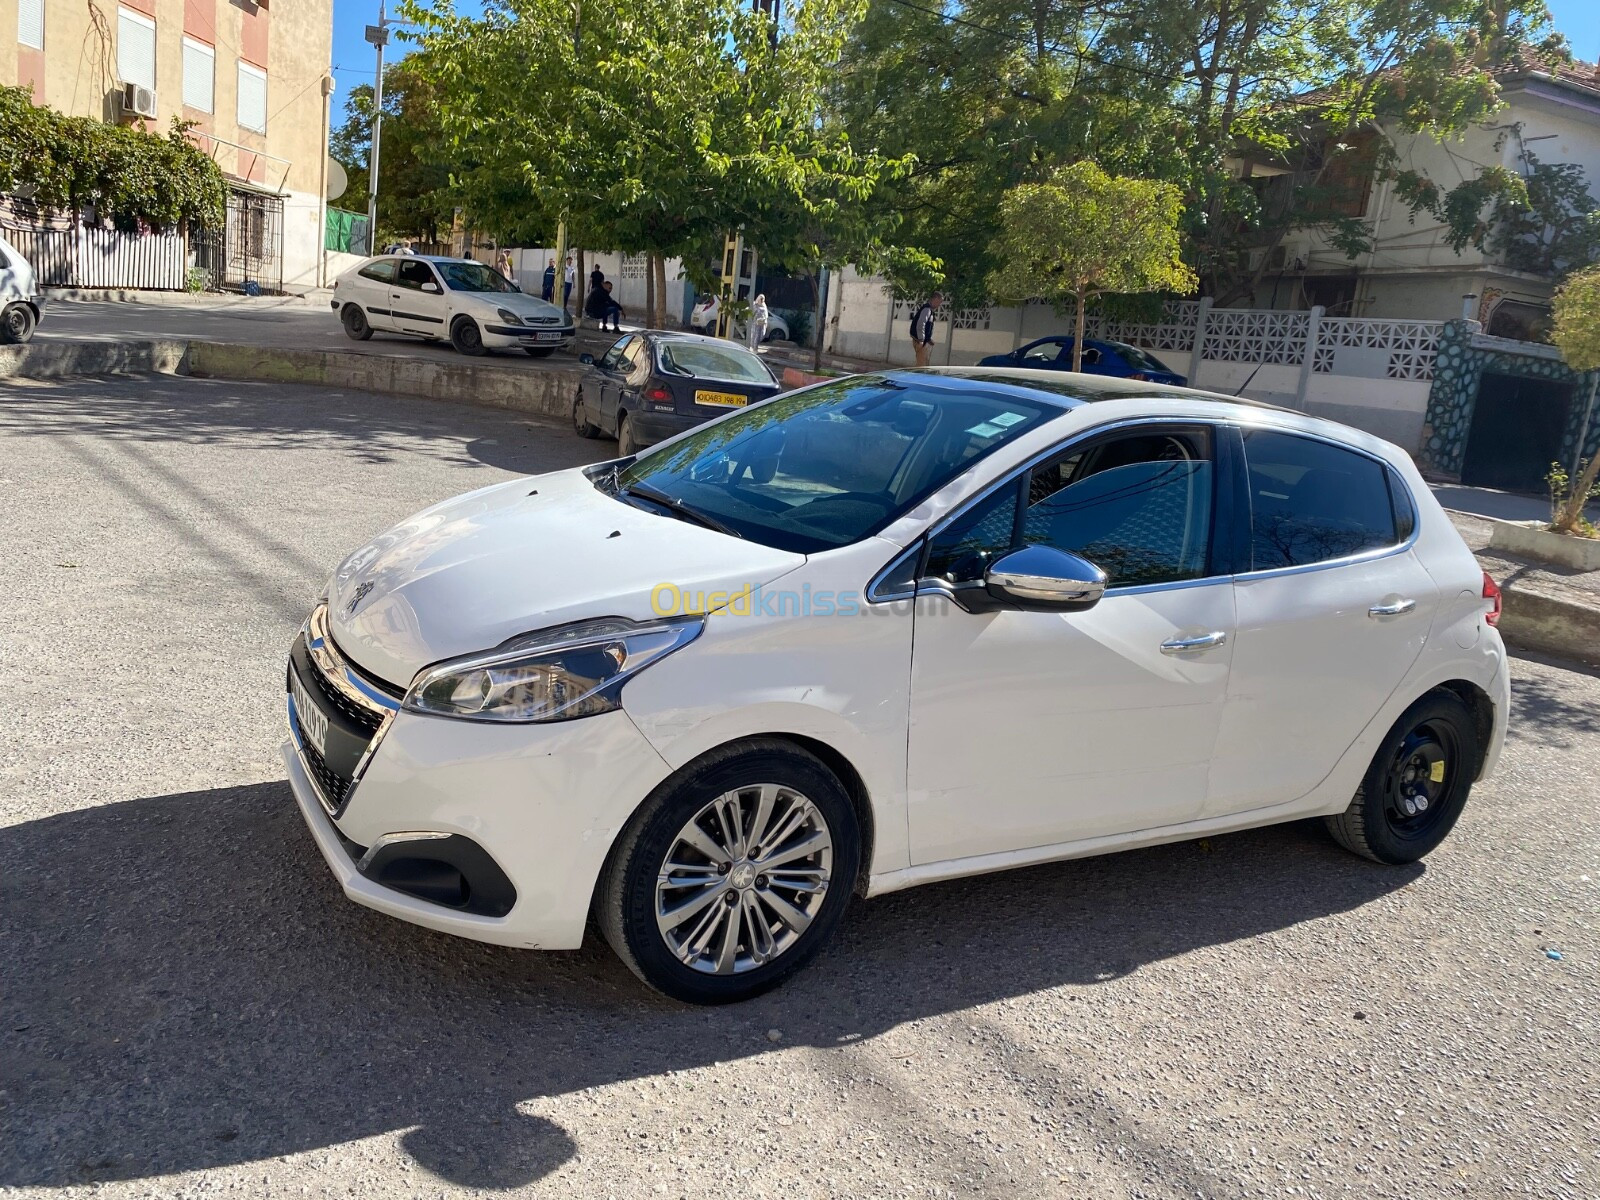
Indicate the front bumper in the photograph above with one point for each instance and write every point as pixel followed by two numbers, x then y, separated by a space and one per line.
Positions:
pixel 526 336
pixel 542 804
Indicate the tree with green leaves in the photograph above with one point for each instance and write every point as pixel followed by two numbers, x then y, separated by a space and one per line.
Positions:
pixel 1083 233
pixel 1576 334
pixel 414 195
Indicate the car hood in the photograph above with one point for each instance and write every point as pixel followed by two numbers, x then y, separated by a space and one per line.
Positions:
pixel 525 306
pixel 468 574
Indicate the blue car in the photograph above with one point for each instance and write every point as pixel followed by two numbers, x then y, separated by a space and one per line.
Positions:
pixel 1099 358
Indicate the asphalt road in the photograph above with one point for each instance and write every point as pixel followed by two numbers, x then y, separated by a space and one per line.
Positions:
pixel 188 1006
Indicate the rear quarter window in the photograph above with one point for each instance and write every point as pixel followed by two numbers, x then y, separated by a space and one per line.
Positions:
pixel 1312 501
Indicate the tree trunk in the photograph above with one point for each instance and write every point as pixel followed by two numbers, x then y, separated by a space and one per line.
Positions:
pixel 1573 508
pixel 650 291
pixel 1077 335
pixel 661 292
pixel 819 319
pixel 580 289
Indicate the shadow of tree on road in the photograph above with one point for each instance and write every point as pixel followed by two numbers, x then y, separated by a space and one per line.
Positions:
pixel 185 988
pixel 1542 712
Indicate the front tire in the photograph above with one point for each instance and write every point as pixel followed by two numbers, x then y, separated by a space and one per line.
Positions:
pixel 16 324
pixel 1417 786
pixel 356 325
pixel 467 338
pixel 733 875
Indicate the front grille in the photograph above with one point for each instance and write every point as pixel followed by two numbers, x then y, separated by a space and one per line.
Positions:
pixel 544 320
pixel 334 787
pixel 363 718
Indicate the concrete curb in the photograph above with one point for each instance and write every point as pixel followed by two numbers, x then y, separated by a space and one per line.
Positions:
pixel 55 359
pixel 1543 619
pixel 545 392
pixel 317 299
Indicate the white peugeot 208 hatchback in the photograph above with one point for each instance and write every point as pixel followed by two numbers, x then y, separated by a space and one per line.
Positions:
pixel 888 630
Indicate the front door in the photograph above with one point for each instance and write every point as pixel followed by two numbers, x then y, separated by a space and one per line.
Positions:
pixel 1518 427
pixel 1034 728
pixel 609 372
pixel 418 299
pixel 1333 612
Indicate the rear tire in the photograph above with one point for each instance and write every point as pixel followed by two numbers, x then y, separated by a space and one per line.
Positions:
pixel 467 338
pixel 580 418
pixel 1417 786
pixel 16 324
pixel 779 921
pixel 627 444
pixel 356 325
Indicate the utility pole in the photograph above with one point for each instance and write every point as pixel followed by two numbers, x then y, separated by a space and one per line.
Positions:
pixel 378 35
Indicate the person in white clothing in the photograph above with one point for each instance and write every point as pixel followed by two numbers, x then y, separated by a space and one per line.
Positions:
pixel 756 328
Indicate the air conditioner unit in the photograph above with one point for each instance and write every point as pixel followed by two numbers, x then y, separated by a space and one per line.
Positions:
pixel 138 101
pixel 1278 259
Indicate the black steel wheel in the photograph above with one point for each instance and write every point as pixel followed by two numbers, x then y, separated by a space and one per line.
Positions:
pixel 466 337
pixel 581 424
pixel 16 324
pixel 355 323
pixel 1417 786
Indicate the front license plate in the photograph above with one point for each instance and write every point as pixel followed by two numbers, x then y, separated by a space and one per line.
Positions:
pixel 313 721
pixel 547 337
pixel 720 399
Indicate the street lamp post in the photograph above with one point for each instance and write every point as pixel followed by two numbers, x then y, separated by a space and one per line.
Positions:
pixel 378 36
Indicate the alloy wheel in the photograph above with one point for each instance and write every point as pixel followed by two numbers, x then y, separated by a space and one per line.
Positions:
pixel 744 879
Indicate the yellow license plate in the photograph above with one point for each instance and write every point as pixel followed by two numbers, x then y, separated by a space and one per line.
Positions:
pixel 720 399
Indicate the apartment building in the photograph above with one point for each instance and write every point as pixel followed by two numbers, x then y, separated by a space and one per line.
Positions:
pixel 252 75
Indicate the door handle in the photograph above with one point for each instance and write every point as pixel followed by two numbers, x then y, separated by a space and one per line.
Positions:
pixel 1393 609
pixel 1188 645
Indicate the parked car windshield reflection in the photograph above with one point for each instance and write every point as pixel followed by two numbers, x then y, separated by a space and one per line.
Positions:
pixel 474 277
pixel 833 464
pixel 713 362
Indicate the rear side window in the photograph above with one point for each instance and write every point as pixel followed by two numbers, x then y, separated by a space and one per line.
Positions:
pixel 1314 502
pixel 382 270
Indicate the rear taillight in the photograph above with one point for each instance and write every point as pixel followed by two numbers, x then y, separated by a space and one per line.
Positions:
pixel 659 394
pixel 1491 591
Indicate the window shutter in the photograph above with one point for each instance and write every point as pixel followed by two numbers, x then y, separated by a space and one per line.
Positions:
pixel 136 49
pixel 199 75
pixel 252 98
pixel 30 23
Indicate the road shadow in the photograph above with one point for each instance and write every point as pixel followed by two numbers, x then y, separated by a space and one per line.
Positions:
pixel 261 416
pixel 1545 713
pixel 184 987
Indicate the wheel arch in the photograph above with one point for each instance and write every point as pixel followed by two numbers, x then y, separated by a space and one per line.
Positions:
pixel 1482 709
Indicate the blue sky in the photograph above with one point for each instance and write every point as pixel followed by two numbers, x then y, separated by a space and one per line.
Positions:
pixel 353 58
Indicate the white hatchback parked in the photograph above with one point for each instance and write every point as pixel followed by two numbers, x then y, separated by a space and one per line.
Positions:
pixel 461 300
pixel 883 631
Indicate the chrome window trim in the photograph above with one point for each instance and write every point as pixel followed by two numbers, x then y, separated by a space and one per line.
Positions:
pixel 1401 547
pixel 942 589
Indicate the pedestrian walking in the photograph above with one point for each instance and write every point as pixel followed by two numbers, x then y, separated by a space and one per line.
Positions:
pixel 755 329
pixel 549 289
pixel 568 278
pixel 922 329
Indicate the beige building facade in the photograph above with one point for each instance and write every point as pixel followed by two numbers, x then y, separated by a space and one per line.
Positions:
pixel 252 76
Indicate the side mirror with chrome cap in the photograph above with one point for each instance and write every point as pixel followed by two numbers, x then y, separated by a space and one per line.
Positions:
pixel 1044 579
pixel 586 359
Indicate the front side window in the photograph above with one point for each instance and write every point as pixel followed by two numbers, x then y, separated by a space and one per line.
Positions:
pixel 1137 506
pixel 414 273
pixel 833 464
pixel 1313 502
pixel 474 277
pixel 614 358
pixel 136 48
pixel 252 98
pixel 1044 352
pixel 381 271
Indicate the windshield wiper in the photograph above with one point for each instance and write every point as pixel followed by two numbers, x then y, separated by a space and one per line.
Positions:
pixel 656 496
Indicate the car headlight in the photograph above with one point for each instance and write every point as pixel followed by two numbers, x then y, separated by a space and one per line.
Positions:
pixel 509 317
pixel 557 675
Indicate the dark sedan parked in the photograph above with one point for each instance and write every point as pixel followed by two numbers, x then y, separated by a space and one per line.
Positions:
pixel 654 384
pixel 1099 358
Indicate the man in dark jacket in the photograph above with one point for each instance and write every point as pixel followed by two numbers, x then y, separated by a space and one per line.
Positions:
pixel 549 289
pixel 922 329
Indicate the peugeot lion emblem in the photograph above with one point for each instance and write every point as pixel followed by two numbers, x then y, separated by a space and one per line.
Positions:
pixel 361 594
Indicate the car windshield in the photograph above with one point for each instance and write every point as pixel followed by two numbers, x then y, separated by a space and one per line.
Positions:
pixel 704 361
pixel 473 277
pixel 833 464
pixel 1138 359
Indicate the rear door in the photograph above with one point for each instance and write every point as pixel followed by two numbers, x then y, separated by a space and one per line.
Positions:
pixel 1332 613
pixel 417 299
pixel 372 285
